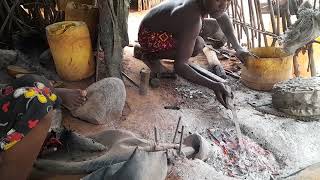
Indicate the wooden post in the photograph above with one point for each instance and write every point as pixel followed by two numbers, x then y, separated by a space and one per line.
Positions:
pixel 273 23
pixel 246 30
pixel 144 81
pixel 296 65
pixel 278 17
pixel 262 23
pixel 251 22
pixel 311 61
pixel 258 22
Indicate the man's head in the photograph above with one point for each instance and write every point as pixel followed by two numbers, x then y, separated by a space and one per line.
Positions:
pixel 215 7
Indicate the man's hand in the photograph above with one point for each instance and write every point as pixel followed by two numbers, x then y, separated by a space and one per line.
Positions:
pixel 223 92
pixel 242 54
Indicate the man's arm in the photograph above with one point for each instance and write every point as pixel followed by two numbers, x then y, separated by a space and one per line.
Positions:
pixel 185 46
pixel 227 28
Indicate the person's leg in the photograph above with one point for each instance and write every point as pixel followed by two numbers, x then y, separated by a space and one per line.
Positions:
pixel 71 98
pixel 16 162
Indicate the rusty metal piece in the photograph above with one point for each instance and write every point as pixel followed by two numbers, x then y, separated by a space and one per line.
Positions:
pixel 180 144
pixel 155 135
pixel 175 133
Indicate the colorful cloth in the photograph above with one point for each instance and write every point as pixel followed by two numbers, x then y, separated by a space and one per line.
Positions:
pixel 153 42
pixel 22 106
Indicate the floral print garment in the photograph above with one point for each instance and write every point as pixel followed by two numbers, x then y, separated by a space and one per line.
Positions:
pixel 22 106
pixel 154 42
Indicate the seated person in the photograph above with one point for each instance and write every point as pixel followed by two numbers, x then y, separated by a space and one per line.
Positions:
pixel 26 107
pixel 171 31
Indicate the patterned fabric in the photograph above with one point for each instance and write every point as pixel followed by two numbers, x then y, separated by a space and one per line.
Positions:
pixel 22 105
pixel 153 42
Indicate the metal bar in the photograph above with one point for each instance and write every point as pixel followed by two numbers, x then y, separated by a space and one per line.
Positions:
pixel 175 133
pixel 180 144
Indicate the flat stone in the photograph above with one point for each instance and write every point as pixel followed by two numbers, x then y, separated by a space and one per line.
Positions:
pixel 298 96
pixel 106 99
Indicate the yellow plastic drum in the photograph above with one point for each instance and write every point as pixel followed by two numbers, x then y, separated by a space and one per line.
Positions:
pixel 273 66
pixel 71 49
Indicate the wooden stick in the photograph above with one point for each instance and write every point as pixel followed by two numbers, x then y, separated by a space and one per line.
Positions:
pixel 250 27
pixel 296 65
pixel 311 60
pixel 176 131
pixel 258 22
pixel 207 73
pixel 233 13
pixel 273 23
pixel 244 27
pixel 238 11
pixel 251 23
pixel 144 81
pixel 129 79
pixel 278 17
pixel 262 23
pixel 284 22
pixel 232 74
pixel 8 16
pixel 236 17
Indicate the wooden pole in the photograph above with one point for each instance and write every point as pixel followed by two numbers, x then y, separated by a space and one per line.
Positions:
pixel 311 60
pixel 262 23
pixel 258 22
pixel 278 17
pixel 236 17
pixel 244 27
pixel 251 23
pixel 144 81
pixel 273 23
pixel 296 65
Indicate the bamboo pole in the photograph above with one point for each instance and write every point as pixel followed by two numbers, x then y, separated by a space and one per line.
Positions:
pixel 244 27
pixel 262 23
pixel 251 23
pixel 252 28
pixel 273 23
pixel 236 16
pixel 278 16
pixel 311 61
pixel 258 22
pixel 296 65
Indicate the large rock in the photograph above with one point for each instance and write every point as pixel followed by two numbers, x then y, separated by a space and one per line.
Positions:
pixel 298 97
pixel 7 57
pixel 106 99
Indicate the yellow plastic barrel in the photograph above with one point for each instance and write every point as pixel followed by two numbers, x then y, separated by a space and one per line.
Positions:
pixel 71 49
pixel 273 66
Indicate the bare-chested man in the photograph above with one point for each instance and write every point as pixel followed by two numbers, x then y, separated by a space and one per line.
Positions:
pixel 171 30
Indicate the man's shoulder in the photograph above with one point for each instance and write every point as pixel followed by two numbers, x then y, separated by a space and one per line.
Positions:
pixel 188 11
